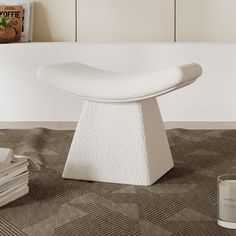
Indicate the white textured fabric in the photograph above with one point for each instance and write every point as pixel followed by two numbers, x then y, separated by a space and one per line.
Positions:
pixel 90 83
pixel 119 143
pixel 117 140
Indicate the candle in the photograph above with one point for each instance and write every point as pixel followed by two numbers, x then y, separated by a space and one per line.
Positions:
pixel 227 201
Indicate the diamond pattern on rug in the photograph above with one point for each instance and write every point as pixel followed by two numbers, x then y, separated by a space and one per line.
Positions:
pixel 90 225
pixel 154 208
pixel 8 229
pixel 182 203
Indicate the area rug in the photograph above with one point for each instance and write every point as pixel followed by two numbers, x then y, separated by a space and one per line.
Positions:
pixel 183 202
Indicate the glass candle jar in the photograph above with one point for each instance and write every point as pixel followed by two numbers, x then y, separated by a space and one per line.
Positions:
pixel 227 201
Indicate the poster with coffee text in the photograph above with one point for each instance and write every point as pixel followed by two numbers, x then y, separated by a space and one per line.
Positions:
pixel 15 14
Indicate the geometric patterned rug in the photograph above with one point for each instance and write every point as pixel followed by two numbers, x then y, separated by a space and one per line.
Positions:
pixel 182 202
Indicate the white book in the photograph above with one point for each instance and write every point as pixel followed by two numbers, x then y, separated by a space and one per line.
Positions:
pixel 13 189
pixel 16 162
pixel 6 156
pixel 12 168
pixel 4 179
pixel 26 34
pixel 15 181
pixel 11 196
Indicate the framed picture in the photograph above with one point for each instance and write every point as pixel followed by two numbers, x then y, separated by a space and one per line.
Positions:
pixel 27 17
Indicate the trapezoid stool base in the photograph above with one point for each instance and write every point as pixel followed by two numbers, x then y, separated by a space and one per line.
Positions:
pixel 119 143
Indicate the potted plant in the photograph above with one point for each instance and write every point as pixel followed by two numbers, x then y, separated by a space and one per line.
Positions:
pixel 7 32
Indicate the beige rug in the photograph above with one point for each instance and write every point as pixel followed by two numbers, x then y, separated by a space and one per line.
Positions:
pixel 183 202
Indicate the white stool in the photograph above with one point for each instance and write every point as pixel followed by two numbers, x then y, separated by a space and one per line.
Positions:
pixel 120 136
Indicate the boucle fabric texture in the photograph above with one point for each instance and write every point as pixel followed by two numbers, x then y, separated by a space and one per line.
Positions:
pixel 122 143
pixel 183 202
pixel 89 83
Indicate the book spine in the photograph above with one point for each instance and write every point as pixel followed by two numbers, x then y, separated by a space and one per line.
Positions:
pixel 15 181
pixel 13 174
pixel 13 196
pixel 13 189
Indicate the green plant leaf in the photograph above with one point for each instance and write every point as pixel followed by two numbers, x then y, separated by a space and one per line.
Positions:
pixel 5 23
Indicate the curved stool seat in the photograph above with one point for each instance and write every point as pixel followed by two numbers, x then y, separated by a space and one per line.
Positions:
pixel 120 137
pixel 93 84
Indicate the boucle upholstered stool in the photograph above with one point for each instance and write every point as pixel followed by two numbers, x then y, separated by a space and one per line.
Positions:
pixel 120 136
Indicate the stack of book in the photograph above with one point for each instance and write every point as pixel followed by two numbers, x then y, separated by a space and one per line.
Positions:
pixel 14 176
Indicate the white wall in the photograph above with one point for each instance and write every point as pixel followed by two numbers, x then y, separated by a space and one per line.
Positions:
pixel 134 20
pixel 206 21
pixel 24 98
pixel 125 20
pixel 54 21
